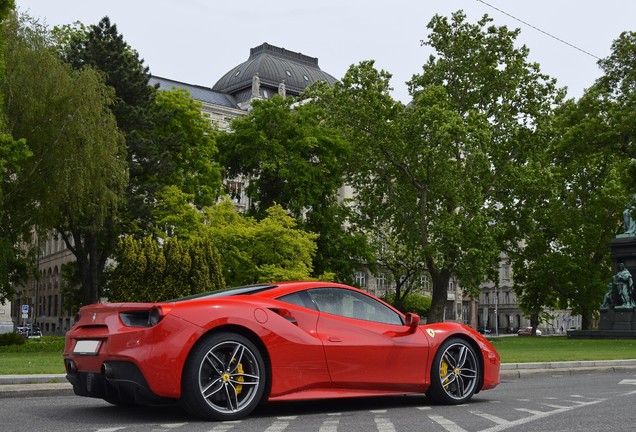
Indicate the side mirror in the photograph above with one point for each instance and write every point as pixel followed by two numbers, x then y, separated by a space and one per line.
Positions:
pixel 412 320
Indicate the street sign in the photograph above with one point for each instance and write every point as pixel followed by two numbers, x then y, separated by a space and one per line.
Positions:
pixel 25 309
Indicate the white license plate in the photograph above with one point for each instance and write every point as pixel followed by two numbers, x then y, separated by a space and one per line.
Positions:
pixel 86 347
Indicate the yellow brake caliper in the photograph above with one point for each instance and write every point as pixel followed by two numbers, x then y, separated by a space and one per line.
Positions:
pixel 443 372
pixel 239 369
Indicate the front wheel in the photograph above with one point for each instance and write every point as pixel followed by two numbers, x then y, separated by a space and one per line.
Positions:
pixel 224 378
pixel 455 373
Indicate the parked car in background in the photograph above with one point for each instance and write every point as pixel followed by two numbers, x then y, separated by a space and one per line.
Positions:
pixel 484 331
pixel 29 331
pixel 527 331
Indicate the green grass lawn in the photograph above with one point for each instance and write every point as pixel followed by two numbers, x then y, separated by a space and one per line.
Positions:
pixel 526 349
pixel 44 356
pixel 36 356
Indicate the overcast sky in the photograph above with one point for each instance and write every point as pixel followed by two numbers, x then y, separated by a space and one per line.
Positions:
pixel 198 41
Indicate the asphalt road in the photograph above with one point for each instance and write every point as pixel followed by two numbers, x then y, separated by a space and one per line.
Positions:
pixel 592 402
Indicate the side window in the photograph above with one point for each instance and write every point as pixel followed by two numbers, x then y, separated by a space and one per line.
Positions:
pixel 352 304
pixel 299 299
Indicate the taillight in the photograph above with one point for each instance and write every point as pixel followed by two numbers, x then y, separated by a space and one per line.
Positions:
pixel 158 313
pixel 155 316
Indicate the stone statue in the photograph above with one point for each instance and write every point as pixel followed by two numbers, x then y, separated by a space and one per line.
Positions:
pixel 624 284
pixel 628 220
pixel 620 292
pixel 256 86
pixel 608 299
pixel 282 90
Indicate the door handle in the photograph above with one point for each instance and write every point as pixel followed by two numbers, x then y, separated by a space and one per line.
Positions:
pixel 334 339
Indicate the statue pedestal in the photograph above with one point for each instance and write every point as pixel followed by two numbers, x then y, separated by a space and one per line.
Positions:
pixel 623 249
pixel 617 319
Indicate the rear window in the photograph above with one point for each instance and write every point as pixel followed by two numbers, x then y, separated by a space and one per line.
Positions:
pixel 242 290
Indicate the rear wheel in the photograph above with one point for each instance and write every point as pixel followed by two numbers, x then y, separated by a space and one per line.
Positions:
pixel 224 378
pixel 455 373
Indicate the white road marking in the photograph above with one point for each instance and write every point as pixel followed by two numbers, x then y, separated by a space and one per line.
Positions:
pixel 280 424
pixel 384 424
pixel 330 425
pixel 492 418
pixel 446 424
pixel 628 381
pixel 540 415
pixel 225 426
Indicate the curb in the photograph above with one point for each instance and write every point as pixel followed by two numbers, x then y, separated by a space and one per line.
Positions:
pixel 524 370
pixel 14 386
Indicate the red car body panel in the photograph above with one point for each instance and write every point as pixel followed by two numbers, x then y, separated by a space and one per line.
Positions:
pixel 309 354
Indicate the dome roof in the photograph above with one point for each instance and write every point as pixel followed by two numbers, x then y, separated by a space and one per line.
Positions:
pixel 273 66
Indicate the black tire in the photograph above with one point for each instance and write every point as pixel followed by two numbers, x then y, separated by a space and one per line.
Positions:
pixel 224 378
pixel 455 373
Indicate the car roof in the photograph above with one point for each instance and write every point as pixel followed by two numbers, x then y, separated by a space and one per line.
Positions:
pixel 272 290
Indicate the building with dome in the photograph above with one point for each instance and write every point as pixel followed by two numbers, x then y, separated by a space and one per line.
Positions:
pixel 269 70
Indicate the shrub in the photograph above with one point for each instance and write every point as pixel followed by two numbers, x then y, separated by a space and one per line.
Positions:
pixel 37 345
pixel 11 339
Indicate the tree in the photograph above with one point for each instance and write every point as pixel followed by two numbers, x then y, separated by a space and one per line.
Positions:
pixel 146 271
pixel 14 261
pixel 185 152
pixel 581 187
pixel 404 264
pixel 73 182
pixel 292 159
pixel 254 251
pixel 617 89
pixel 434 170
pixel 170 144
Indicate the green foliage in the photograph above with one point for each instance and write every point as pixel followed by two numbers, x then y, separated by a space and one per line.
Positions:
pixel 417 302
pixel 146 271
pixel 572 203
pixel 11 339
pixel 291 158
pixel 186 147
pixel 13 153
pixel 435 171
pixel 74 180
pixel 252 251
pixel 53 344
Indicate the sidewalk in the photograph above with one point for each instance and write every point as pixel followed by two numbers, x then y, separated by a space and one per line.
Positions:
pixel 12 386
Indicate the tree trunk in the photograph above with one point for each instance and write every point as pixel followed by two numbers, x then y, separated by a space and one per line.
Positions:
pixel 440 293
pixel 587 318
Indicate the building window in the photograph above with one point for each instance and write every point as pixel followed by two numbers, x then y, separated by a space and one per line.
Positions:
pixel 361 279
pixel 425 283
pixel 506 272
pixel 235 190
pixel 451 286
pixel 381 281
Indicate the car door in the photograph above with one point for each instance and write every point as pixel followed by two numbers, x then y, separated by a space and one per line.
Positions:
pixel 366 342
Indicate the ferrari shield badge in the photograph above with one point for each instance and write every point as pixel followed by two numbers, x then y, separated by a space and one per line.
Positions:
pixel 431 332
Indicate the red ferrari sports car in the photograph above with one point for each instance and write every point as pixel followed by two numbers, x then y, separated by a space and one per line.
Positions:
pixel 221 353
